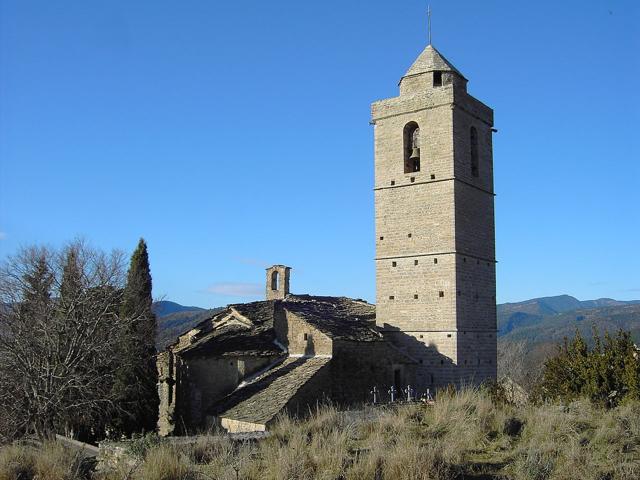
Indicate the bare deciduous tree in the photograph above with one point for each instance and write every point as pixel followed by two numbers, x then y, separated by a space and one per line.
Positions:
pixel 59 329
pixel 511 360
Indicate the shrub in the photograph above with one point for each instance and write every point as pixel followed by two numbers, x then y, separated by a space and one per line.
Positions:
pixel 607 374
pixel 139 445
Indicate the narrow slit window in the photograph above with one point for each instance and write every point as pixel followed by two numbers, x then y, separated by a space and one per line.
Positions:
pixel 394 264
pixel 441 294
pixel 473 134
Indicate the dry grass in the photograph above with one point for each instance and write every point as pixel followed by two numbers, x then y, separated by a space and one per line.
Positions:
pixel 16 462
pixel 578 441
pixel 51 462
pixel 462 435
pixel 166 463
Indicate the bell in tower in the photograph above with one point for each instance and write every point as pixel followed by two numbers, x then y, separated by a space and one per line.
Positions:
pixel 415 150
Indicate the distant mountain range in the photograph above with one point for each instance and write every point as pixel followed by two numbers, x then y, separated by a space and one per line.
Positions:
pixel 550 319
pixel 537 321
pixel 175 319
pixel 164 308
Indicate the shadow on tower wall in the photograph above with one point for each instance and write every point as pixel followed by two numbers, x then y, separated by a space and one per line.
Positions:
pixel 433 370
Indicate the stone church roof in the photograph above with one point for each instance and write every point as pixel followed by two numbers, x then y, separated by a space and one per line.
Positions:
pixel 431 60
pixel 340 318
pixel 244 329
pixel 264 397
pixel 248 328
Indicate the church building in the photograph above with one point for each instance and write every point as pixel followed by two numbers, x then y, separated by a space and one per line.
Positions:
pixel 434 322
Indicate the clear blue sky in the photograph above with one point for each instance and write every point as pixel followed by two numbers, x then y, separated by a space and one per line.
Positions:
pixel 232 135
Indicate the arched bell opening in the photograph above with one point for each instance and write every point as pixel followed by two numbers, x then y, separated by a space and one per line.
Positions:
pixel 411 147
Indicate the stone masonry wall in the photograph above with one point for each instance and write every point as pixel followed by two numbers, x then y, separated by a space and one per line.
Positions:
pixel 357 367
pixel 476 299
pixel 434 285
pixel 204 380
pixel 475 244
pixel 166 393
pixel 304 339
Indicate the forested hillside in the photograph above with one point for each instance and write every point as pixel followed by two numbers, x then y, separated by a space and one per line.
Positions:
pixel 550 319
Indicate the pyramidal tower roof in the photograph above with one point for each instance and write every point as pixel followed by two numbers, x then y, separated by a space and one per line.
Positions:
pixel 431 60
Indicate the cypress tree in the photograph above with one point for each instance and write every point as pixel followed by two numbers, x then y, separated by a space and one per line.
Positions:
pixel 71 284
pixel 137 377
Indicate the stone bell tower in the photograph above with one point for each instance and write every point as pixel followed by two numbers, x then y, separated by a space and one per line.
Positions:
pixel 278 282
pixel 435 241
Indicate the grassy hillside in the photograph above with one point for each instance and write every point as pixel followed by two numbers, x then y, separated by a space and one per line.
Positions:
pixel 462 436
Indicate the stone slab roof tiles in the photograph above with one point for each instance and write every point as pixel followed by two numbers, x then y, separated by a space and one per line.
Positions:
pixel 430 60
pixel 235 341
pixel 260 313
pixel 261 400
pixel 239 330
pixel 340 318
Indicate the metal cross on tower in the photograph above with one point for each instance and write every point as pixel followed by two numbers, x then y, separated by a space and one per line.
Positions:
pixel 429 22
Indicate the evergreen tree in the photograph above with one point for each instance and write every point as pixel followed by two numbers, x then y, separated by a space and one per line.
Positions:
pixel 36 294
pixel 137 376
pixel 607 373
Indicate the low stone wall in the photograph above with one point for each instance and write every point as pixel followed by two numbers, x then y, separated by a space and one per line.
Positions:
pixel 113 455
